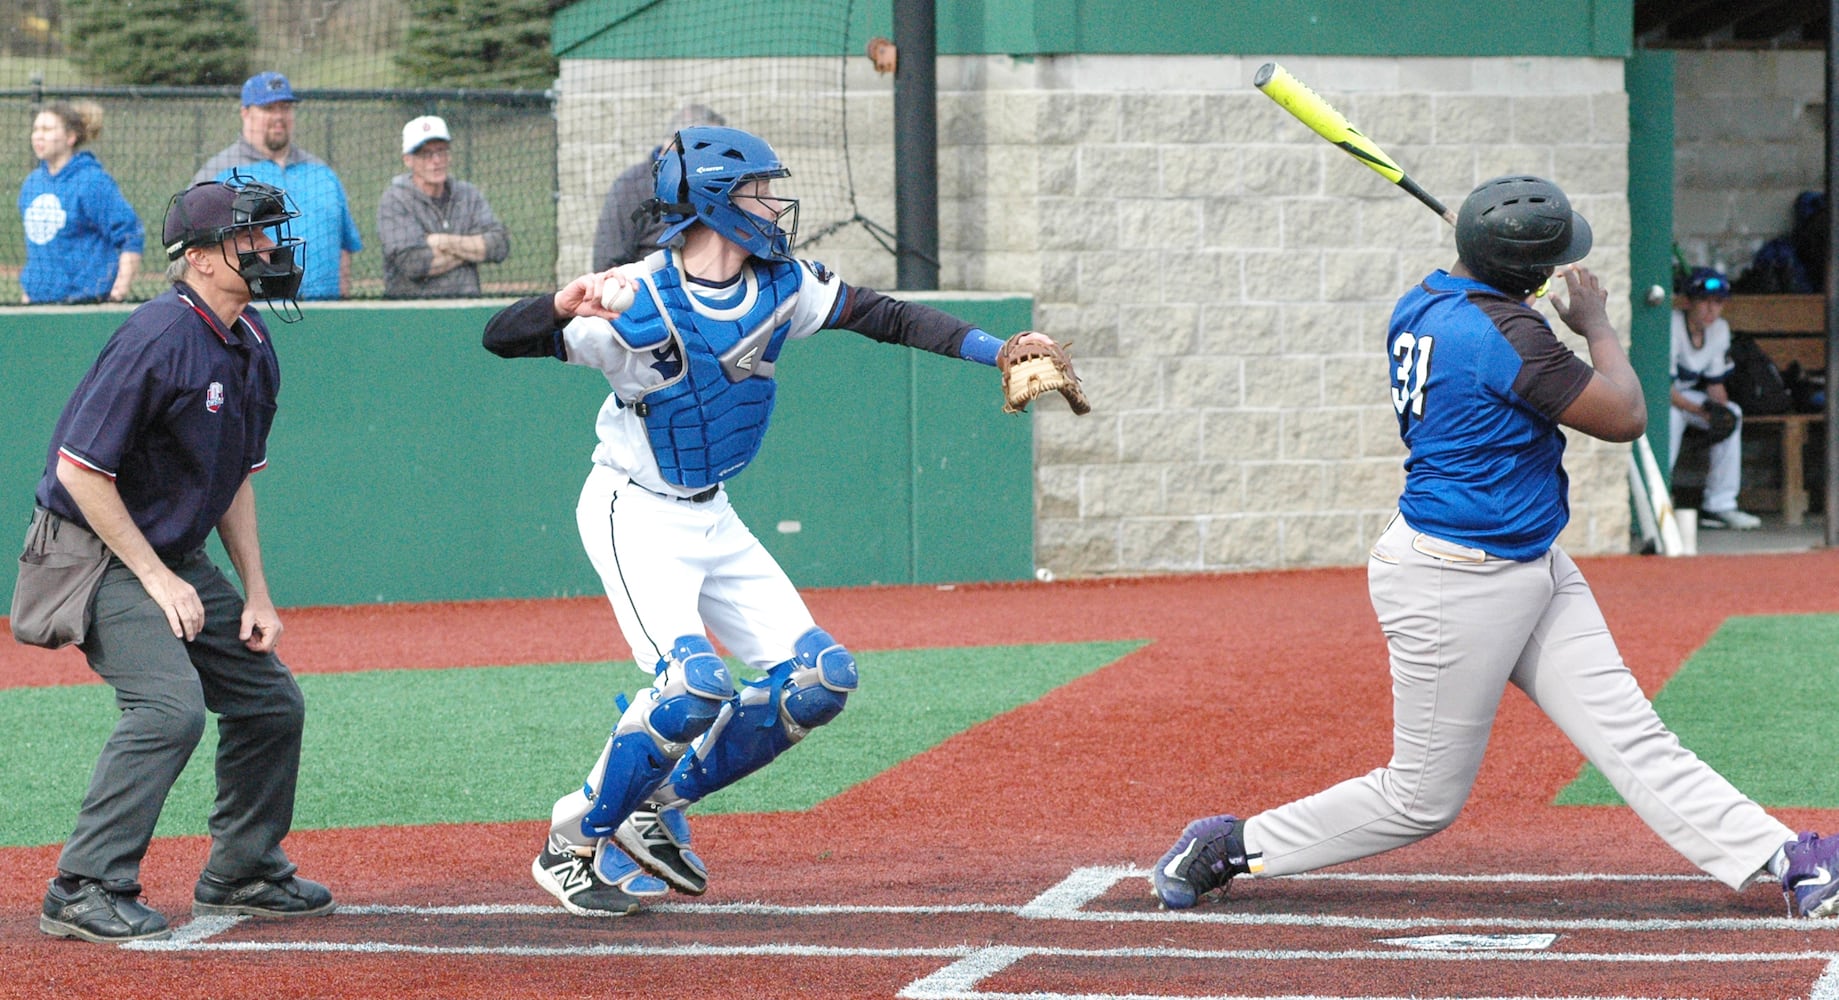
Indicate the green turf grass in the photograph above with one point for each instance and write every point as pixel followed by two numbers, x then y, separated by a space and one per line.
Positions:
pixel 1750 704
pixel 484 744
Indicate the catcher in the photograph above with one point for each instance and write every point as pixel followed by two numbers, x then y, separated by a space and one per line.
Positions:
pixel 689 340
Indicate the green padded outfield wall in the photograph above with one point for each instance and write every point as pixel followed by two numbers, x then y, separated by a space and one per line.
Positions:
pixel 626 29
pixel 408 464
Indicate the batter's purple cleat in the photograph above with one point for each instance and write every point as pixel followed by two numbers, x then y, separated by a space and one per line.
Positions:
pixel 1811 883
pixel 1206 857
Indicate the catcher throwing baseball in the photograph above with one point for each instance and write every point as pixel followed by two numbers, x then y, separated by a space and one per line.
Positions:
pixel 1474 594
pixel 690 340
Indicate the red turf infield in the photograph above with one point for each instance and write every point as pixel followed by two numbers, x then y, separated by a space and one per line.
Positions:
pixel 1257 688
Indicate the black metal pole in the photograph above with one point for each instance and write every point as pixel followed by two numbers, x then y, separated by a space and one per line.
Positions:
pixel 1830 280
pixel 916 145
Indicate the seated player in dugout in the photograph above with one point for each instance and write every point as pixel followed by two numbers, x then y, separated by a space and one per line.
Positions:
pixel 1473 592
pixel 690 341
pixel 1700 365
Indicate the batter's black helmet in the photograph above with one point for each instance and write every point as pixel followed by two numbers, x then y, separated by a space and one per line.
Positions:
pixel 1512 231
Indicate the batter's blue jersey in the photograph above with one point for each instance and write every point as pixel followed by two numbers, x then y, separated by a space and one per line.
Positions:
pixel 1478 381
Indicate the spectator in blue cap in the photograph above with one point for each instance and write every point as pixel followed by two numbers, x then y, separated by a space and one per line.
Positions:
pixel 266 153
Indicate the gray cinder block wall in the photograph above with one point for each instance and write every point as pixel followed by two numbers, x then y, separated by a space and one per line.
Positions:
pixel 1750 135
pixel 1224 275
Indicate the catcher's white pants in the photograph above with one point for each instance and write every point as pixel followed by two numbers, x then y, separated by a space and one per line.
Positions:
pixel 1724 473
pixel 673 568
pixel 1461 625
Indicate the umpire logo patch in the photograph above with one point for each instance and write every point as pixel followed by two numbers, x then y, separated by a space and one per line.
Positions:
pixel 213 397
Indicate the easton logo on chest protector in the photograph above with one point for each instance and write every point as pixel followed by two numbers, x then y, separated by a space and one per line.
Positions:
pixel 707 423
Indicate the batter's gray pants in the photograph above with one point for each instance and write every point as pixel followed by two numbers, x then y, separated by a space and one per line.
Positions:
pixel 1460 625
pixel 163 687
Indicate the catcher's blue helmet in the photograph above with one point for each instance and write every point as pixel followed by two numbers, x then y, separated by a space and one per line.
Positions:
pixel 694 181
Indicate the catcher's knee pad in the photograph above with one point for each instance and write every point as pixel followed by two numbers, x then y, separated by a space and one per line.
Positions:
pixel 822 677
pixel 692 684
pixel 770 715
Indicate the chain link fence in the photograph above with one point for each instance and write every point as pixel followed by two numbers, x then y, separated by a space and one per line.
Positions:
pixel 153 139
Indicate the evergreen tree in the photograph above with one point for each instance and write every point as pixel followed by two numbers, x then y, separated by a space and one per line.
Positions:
pixel 161 42
pixel 478 43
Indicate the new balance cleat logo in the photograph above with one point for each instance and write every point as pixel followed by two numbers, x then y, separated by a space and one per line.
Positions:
pixel 570 879
pixel 648 837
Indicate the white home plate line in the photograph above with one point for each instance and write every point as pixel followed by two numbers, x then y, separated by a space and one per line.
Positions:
pixel 967 966
pixel 959 980
pixel 1067 901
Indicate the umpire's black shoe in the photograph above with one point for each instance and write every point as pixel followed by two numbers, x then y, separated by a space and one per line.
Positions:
pixel 96 913
pixel 279 895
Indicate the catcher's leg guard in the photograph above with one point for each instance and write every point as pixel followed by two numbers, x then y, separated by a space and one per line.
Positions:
pixel 654 732
pixel 769 716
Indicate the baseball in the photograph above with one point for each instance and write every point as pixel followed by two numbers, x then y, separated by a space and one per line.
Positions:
pixel 615 297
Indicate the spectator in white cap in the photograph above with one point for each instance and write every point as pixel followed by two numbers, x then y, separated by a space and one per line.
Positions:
pixel 436 230
pixel 266 153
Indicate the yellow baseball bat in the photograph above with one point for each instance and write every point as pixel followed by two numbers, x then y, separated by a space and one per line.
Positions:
pixel 1295 97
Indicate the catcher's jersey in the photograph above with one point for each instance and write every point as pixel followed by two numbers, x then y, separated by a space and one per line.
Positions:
pixel 1478 381
pixel 632 373
pixel 1707 364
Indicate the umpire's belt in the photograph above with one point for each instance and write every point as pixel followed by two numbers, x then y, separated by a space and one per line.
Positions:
pixel 704 497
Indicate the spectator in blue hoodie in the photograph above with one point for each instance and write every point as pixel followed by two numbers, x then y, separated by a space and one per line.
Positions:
pixel 83 240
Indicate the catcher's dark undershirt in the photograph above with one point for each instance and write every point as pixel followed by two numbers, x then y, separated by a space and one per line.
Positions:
pixel 529 328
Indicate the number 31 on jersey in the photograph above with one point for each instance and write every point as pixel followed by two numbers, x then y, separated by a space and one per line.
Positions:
pixel 1410 371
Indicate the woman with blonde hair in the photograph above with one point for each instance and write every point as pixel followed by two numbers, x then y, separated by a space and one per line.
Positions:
pixel 83 240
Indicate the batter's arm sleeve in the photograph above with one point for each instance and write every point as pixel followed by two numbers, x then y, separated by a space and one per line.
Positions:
pixel 893 321
pixel 526 329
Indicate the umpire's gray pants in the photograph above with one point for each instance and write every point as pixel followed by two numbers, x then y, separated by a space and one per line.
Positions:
pixel 163 687
pixel 1460 625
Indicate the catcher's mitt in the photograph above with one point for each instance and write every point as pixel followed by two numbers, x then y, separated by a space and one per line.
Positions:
pixel 1033 367
pixel 1723 421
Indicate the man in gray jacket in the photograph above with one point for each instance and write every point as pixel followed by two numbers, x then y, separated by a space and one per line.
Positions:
pixel 435 230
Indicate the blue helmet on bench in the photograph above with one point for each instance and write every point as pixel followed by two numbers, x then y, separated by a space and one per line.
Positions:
pixel 1707 283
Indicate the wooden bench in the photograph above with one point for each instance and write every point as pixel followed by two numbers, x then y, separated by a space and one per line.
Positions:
pixel 1788 328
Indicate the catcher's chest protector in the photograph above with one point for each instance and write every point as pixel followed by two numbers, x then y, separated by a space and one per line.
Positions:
pixel 708 420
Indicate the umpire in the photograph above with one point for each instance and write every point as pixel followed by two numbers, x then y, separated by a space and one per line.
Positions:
pixel 155 449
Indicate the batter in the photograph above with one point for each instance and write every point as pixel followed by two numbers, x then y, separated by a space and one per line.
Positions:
pixel 1473 594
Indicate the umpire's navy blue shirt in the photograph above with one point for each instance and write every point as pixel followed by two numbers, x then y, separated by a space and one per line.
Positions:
pixel 176 410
